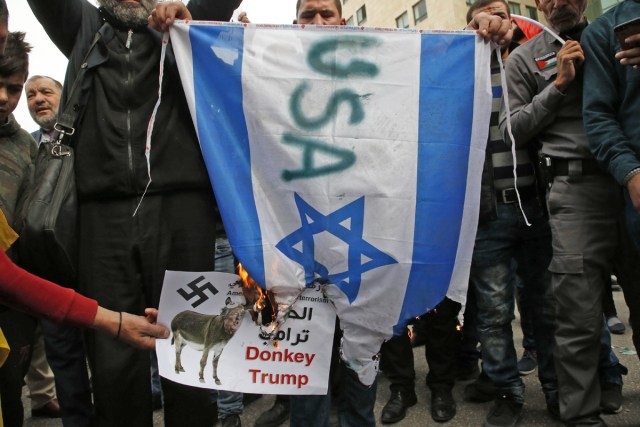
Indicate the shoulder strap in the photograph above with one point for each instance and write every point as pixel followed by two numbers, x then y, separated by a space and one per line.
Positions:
pixel 77 94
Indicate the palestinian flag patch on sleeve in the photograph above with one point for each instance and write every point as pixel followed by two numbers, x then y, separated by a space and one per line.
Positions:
pixel 546 61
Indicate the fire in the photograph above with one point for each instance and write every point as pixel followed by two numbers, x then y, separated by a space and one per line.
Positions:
pixel 252 292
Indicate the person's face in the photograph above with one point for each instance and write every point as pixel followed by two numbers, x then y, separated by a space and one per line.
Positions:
pixel 319 12
pixel 10 91
pixel 497 8
pixel 4 33
pixel 43 97
pixel 562 15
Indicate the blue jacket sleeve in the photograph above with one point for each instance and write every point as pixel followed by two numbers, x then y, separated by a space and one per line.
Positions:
pixel 602 98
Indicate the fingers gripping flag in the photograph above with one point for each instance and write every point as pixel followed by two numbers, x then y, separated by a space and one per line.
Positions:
pixel 346 155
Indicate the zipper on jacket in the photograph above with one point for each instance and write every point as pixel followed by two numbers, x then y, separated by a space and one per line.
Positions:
pixel 132 171
pixel 129 38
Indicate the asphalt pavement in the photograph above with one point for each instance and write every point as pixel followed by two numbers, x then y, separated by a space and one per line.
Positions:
pixel 469 414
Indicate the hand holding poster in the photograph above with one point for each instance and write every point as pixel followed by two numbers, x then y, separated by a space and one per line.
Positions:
pixel 217 340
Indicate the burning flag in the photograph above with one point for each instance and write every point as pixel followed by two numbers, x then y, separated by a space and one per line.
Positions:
pixel 347 157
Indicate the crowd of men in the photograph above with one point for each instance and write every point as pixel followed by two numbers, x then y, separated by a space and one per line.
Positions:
pixel 557 236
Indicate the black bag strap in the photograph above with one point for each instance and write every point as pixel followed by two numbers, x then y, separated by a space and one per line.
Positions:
pixel 78 93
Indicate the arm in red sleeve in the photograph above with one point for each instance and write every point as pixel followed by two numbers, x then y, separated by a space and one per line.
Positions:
pixel 23 291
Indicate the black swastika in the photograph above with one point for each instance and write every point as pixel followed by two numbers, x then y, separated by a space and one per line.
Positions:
pixel 198 291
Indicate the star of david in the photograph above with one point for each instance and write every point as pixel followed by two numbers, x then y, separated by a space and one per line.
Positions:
pixel 347 224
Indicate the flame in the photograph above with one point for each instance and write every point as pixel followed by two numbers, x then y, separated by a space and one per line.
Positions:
pixel 251 288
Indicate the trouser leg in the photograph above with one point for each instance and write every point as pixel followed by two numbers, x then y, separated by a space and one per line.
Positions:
pixel 583 219
pixel 310 410
pixel 67 357
pixel 468 354
pixel 39 379
pixel 532 258
pixel 356 401
pixel 122 264
pixel 491 277
pixel 443 341
pixel 18 329
pixel 627 268
pixel 397 357
pixel 187 406
pixel 610 369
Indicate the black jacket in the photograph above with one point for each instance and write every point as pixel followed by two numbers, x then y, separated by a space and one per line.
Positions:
pixel 111 131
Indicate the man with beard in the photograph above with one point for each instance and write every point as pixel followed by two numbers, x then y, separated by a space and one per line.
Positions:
pixel 545 84
pixel 123 257
pixel 43 98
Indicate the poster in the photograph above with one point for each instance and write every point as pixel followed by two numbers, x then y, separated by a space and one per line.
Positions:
pixel 217 340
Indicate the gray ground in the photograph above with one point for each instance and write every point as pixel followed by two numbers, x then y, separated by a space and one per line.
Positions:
pixel 468 414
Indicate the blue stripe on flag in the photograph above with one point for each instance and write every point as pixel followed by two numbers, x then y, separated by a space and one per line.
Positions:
pixel 446 98
pixel 217 61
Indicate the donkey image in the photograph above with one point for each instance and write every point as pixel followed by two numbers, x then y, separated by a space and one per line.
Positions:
pixel 205 332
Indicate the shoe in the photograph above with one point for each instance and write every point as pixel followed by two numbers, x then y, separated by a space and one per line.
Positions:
pixel 467 373
pixel 396 408
pixel 611 398
pixel 231 421
pixel 505 412
pixel 480 391
pixel 443 407
pixel 528 363
pixel 615 325
pixel 274 416
pixel 50 410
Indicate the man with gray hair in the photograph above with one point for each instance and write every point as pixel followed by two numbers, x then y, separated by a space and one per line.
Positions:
pixel 43 98
pixel 123 257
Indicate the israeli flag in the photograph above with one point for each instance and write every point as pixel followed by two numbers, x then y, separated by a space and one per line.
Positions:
pixel 344 155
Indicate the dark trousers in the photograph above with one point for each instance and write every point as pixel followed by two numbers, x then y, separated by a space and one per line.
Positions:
pixel 440 329
pixel 468 355
pixel 18 329
pixel 627 268
pixel 589 240
pixel 64 346
pixel 122 264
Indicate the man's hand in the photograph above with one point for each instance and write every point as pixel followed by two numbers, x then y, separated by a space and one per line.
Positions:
pixel 165 14
pixel 569 58
pixel 137 331
pixel 492 28
pixel 242 17
pixel 634 191
pixel 630 56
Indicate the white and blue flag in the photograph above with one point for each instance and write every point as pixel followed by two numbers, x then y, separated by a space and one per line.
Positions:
pixel 346 155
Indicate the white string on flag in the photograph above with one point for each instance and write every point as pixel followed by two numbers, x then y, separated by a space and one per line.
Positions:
pixel 152 120
pixel 505 97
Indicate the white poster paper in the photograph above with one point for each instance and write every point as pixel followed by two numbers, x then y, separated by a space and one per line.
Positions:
pixel 217 343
